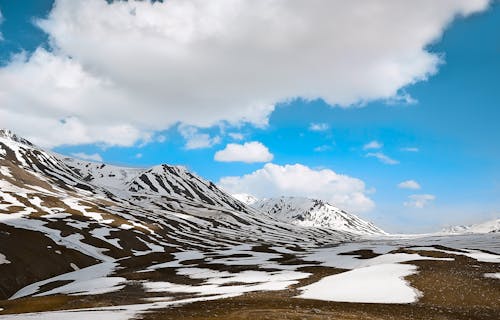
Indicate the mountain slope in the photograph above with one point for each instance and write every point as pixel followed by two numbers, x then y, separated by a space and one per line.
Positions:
pixel 484 227
pixel 315 213
pixel 81 240
pixel 246 198
pixel 77 214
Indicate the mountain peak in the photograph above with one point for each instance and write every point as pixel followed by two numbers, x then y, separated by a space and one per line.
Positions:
pixel 246 198
pixel 10 135
pixel 315 213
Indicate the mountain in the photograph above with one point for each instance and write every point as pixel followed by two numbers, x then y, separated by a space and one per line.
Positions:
pixel 315 213
pixel 246 198
pixel 491 226
pixel 84 240
pixel 60 216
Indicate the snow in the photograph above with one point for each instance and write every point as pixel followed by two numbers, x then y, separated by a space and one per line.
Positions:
pixel 186 221
pixel 332 257
pixel 90 280
pixel 73 315
pixel 307 212
pixel 87 287
pixel 246 198
pixel 3 259
pixel 381 283
pixel 5 170
pixel 179 257
pixel 474 254
pixel 484 227
pixel 121 312
pixel 253 281
pixel 492 275
pixel 111 177
pixel 249 276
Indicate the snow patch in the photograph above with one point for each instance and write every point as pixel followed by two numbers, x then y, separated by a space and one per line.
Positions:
pixel 3 259
pixel 381 283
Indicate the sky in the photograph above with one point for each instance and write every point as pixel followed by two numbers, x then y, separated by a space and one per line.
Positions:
pixel 388 109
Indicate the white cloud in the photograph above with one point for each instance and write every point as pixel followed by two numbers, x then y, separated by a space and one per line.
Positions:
pixel 236 135
pixel 197 140
pixel 373 145
pixel 319 126
pixel 299 180
pixel 419 200
pixel 410 149
pixel 147 66
pixel 84 156
pixel 402 98
pixel 248 152
pixel 322 148
pixel 138 155
pixel 382 158
pixel 409 184
pixel 1 21
pixel 161 138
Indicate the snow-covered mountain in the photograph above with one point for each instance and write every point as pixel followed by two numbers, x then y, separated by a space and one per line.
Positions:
pixel 72 214
pixel 484 227
pixel 246 198
pixel 130 243
pixel 315 213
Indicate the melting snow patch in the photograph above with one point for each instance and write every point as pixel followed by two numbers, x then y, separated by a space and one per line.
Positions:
pixel 3 259
pixel 219 282
pixel 474 254
pixel 382 283
pixel 120 312
pixel 90 280
pixel 74 315
pixel 5 170
pixel 492 275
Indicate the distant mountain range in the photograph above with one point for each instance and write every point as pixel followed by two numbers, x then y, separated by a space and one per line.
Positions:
pixel 484 227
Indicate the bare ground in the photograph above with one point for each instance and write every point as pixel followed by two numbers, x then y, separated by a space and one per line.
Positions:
pixel 451 290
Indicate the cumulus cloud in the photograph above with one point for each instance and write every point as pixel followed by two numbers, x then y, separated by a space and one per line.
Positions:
pixel 419 201
pixel 299 180
pixel 382 158
pixel 197 140
pixel 84 156
pixel 146 66
pixel 373 145
pixel 319 126
pixel 409 184
pixel 249 152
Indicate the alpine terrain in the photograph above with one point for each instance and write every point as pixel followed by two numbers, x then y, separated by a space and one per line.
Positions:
pixel 484 227
pixel 315 213
pixel 85 240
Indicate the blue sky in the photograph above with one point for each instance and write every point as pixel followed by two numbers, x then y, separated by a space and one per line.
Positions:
pixel 445 137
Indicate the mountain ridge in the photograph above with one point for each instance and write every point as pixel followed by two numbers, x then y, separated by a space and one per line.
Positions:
pixel 310 212
pixel 74 220
pixel 490 226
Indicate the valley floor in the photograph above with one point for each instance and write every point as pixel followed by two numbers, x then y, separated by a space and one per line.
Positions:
pixel 434 277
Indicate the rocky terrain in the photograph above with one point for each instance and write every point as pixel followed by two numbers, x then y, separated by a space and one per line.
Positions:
pixel 90 240
pixel 315 213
